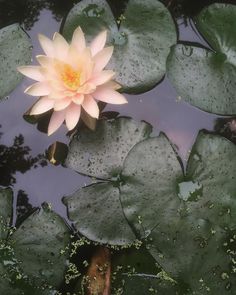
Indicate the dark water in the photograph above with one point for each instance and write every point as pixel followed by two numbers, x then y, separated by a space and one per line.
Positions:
pixel 160 107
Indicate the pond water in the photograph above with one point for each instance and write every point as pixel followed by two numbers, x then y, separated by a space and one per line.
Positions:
pixel 35 181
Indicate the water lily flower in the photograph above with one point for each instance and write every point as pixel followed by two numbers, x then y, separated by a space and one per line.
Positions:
pixel 72 77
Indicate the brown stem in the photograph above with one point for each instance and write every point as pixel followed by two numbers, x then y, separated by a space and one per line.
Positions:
pixel 98 279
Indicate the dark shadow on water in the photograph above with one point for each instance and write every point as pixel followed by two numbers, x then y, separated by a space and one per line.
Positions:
pixel 27 12
pixel 17 158
pixel 190 8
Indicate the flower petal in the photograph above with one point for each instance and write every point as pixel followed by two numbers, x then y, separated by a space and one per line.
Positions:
pixel 102 58
pixel 61 46
pixel 105 94
pixel 33 72
pixel 89 121
pixel 61 104
pixel 56 95
pixel 72 115
pixel 87 88
pixel 56 120
pixel 43 105
pixel 81 62
pixel 90 106
pixel 38 89
pixel 113 85
pixel 78 99
pixel 102 77
pixel 47 45
pixel 98 43
pixel 78 40
pixel 57 85
pixel 44 60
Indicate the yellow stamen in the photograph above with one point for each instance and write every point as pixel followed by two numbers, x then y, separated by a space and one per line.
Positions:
pixel 69 76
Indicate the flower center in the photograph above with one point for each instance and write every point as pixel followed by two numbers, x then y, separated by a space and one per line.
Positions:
pixel 70 77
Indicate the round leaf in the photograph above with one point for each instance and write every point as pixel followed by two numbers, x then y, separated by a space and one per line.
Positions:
pixel 188 221
pixel 39 244
pixel 135 272
pixel 142 42
pixel 207 78
pixel 5 283
pixel 151 171
pixel 101 153
pixel 15 51
pixel 6 199
pixel 98 215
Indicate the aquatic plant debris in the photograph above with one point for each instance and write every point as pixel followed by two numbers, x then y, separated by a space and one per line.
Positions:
pixel 34 255
pixel 186 219
pixel 71 77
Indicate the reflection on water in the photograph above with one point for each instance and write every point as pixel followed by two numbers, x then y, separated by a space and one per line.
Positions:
pixel 23 207
pixel 27 12
pixel 17 158
pixel 186 8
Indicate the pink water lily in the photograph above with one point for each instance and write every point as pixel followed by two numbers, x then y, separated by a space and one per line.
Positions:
pixel 71 77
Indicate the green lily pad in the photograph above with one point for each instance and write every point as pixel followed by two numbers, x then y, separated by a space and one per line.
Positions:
pixel 6 198
pixel 96 209
pixel 207 78
pixel 188 221
pixel 38 246
pixel 6 287
pixel 135 272
pixel 98 215
pixel 101 153
pixel 149 173
pixel 31 257
pixel 142 42
pixel 15 51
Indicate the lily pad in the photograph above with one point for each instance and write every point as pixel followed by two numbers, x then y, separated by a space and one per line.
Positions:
pixel 38 246
pixel 98 215
pixel 135 272
pixel 151 170
pixel 101 153
pixel 96 209
pixel 188 221
pixel 31 257
pixel 207 78
pixel 6 199
pixel 142 42
pixel 15 51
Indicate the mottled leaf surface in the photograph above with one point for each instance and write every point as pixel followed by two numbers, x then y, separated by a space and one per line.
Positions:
pixel 188 221
pixel 135 272
pixel 15 50
pixel 142 42
pixel 101 153
pixel 6 199
pixel 33 257
pixel 207 78
pixel 98 215
pixel 39 244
